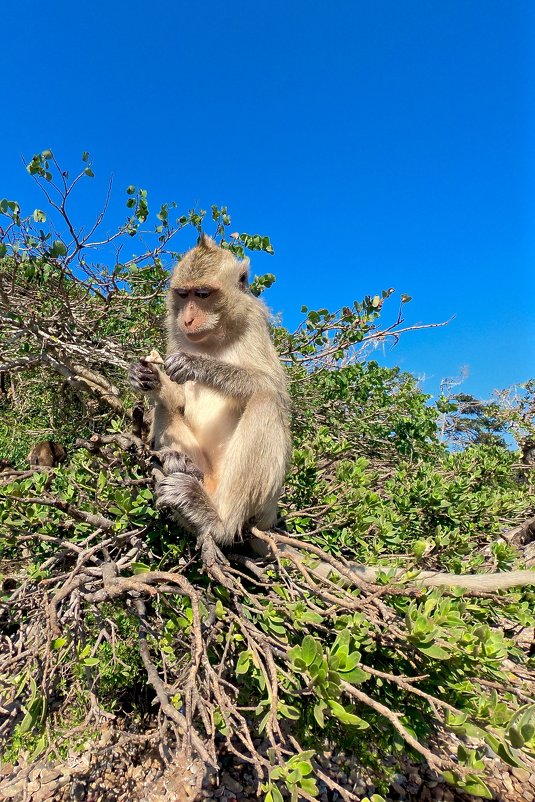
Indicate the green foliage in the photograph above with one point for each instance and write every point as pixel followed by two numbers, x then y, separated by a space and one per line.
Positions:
pixel 371 480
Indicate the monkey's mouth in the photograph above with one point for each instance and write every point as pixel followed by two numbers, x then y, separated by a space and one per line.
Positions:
pixel 197 336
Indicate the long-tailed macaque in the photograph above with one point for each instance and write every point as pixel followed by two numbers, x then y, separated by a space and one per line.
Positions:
pixel 221 414
pixel 47 454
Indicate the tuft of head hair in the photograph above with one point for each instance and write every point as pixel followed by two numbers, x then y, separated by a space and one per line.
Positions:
pixel 209 264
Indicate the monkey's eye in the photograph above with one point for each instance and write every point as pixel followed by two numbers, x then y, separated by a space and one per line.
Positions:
pixel 203 293
pixel 181 292
pixel 243 280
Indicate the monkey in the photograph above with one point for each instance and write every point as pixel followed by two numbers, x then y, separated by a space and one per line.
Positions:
pixel 221 417
pixel 220 422
pixel 139 425
pixel 47 453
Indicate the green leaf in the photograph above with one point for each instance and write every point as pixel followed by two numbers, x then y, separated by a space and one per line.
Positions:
pixel 244 661
pixel 309 785
pixel 309 649
pixel 85 156
pixel 434 651
pixel 89 172
pixel 527 731
pixel 139 567
pixel 355 676
pixel 277 796
pixel 319 707
pixel 26 723
pixel 39 747
pixel 59 248
pixel 289 712
pixel 515 736
pixel 477 787
pixel 304 767
pixel 39 216
pixel 504 751
pixel 346 717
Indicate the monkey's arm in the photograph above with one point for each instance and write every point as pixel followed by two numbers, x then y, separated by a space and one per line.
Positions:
pixel 237 382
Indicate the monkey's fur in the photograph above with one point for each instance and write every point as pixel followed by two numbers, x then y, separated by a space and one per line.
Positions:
pixel 221 414
pixel 47 454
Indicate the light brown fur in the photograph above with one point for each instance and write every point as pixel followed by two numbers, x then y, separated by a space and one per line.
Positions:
pixel 47 454
pixel 224 404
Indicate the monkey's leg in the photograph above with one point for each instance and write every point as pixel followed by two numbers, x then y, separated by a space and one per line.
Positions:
pixel 187 501
pixel 252 474
pixel 249 480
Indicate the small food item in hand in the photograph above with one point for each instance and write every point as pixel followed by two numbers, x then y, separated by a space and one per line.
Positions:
pixel 154 358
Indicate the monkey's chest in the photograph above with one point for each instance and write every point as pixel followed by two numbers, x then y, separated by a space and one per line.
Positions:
pixel 212 417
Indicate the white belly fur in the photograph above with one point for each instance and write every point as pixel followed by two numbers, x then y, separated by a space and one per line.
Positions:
pixel 212 417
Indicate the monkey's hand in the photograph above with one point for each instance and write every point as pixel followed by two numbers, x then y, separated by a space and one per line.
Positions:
pixel 175 462
pixel 181 367
pixel 144 376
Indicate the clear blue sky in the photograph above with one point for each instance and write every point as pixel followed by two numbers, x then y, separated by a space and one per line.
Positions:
pixel 378 144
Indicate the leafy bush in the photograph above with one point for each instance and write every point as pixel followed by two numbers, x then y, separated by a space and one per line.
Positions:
pixel 104 597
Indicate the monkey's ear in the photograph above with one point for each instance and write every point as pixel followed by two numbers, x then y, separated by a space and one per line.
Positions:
pixel 243 276
pixel 207 242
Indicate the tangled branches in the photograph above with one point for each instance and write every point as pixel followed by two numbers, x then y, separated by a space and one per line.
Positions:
pixel 284 647
pixel 235 647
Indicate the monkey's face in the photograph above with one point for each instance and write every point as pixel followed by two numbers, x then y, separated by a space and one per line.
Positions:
pixel 196 311
pixel 208 300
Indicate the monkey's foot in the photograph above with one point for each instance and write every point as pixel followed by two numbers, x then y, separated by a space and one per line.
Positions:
pixel 184 497
pixel 176 462
pixel 184 494
pixel 143 376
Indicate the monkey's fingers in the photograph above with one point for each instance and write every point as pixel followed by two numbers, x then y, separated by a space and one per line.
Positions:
pixel 175 462
pixel 180 367
pixel 143 377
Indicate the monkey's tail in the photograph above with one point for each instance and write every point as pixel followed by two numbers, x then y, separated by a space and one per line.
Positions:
pixel 485 583
pixel 435 579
